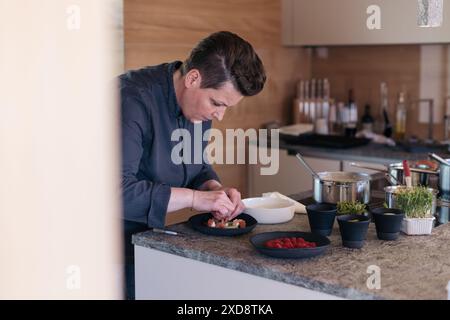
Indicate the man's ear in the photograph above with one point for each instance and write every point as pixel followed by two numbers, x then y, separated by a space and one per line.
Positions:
pixel 193 79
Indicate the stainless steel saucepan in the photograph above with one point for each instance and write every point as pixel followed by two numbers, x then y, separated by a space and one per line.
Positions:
pixel 338 186
pixel 444 181
pixel 421 175
pixel 444 176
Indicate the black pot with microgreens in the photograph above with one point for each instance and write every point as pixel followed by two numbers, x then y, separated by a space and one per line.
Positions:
pixel 353 229
pixel 352 207
pixel 321 218
pixel 387 222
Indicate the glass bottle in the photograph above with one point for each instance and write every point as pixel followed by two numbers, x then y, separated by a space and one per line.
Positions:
pixel 367 119
pixel 400 119
pixel 384 110
pixel 298 108
pixel 313 102
pixel 306 103
pixel 326 99
pixel 352 114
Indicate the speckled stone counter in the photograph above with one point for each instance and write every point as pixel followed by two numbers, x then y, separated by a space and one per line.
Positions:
pixel 413 267
pixel 374 153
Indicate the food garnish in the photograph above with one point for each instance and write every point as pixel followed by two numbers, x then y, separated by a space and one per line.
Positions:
pixel 351 207
pixel 222 224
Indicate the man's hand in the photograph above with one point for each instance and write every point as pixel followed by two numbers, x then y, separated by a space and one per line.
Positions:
pixel 235 197
pixel 217 202
pixel 233 194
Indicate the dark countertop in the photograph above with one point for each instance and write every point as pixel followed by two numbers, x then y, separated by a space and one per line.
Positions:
pixel 413 267
pixel 372 152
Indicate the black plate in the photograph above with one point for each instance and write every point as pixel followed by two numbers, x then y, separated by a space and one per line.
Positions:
pixel 322 243
pixel 199 223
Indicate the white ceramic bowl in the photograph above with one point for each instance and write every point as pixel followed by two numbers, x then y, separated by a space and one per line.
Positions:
pixel 268 210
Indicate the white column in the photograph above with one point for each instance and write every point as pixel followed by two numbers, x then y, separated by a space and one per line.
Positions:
pixel 59 152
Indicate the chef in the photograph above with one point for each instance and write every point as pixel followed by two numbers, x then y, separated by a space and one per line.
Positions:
pixel 156 101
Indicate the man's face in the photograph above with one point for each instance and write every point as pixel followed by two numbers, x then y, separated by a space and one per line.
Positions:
pixel 203 104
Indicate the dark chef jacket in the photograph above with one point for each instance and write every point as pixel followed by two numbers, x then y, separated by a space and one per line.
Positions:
pixel 150 113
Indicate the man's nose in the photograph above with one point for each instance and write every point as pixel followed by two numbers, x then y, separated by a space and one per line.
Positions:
pixel 220 113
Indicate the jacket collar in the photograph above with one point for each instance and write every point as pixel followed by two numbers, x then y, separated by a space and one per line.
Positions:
pixel 174 107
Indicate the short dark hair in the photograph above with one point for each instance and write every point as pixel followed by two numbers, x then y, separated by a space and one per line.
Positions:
pixel 224 56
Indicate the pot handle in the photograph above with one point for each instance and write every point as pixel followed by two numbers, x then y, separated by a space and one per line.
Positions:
pixel 380 168
pixel 303 162
pixel 439 159
pixel 388 175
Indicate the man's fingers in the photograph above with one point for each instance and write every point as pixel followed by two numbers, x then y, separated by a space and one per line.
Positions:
pixel 235 198
pixel 218 215
pixel 235 213
pixel 225 208
pixel 227 214
pixel 238 210
pixel 241 206
pixel 228 204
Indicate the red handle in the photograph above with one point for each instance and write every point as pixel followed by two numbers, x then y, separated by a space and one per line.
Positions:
pixel 406 169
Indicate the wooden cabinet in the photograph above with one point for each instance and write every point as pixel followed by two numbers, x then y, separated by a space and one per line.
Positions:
pixel 360 22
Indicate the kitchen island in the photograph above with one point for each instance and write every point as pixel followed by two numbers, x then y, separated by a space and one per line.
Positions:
pixel 197 266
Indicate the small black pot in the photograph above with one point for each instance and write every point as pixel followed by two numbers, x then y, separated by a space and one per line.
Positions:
pixel 321 218
pixel 353 233
pixel 388 226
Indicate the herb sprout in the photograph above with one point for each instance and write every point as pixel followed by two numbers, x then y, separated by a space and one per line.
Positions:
pixel 349 207
pixel 416 202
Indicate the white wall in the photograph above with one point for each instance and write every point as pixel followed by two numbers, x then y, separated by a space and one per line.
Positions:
pixel 59 156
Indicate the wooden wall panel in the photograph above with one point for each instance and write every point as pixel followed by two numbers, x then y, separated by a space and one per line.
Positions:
pixel 159 31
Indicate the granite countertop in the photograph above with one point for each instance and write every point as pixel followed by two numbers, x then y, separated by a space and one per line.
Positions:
pixel 374 153
pixel 413 267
